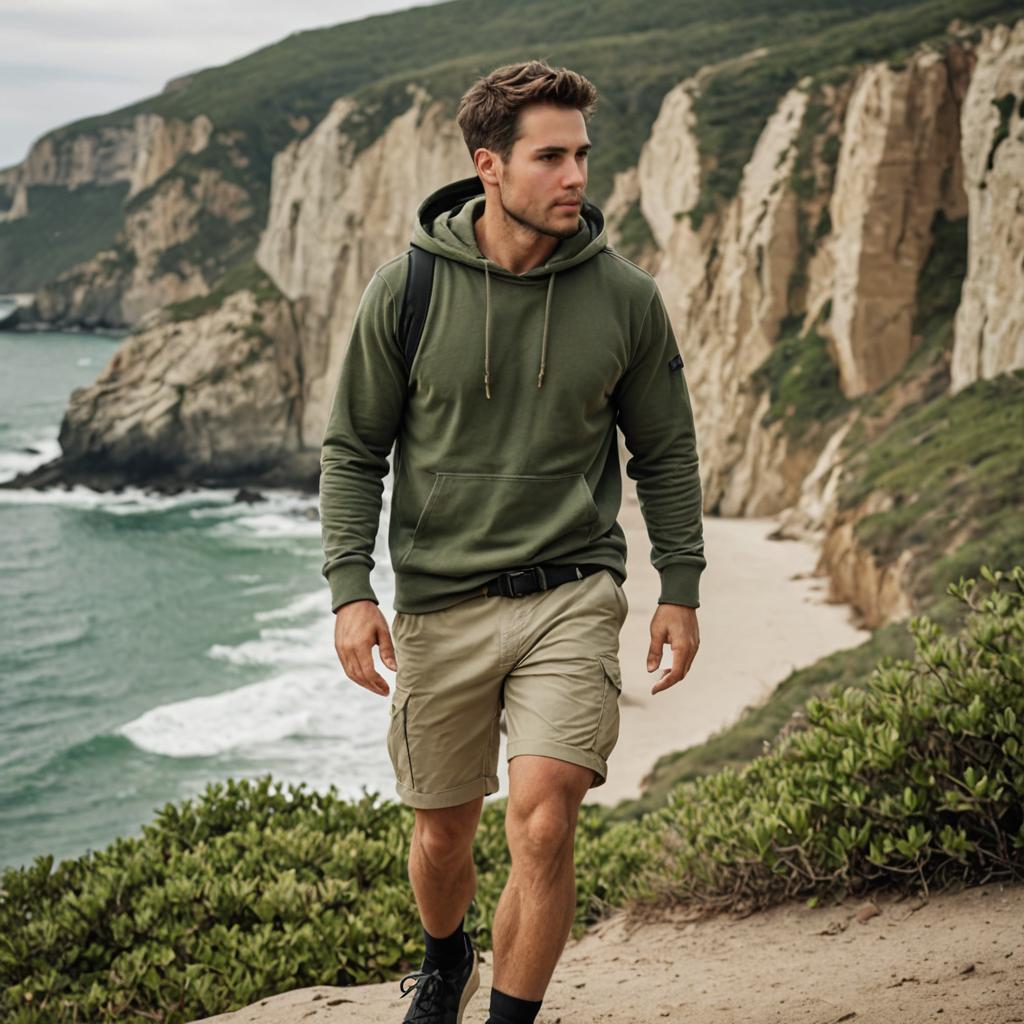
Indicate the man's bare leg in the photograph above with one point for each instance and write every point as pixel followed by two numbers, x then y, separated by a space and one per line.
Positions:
pixel 536 909
pixel 441 868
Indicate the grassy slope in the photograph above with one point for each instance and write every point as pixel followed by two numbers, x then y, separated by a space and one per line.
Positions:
pixel 63 229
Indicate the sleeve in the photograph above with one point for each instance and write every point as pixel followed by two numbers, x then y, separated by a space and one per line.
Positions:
pixel 365 417
pixel 656 420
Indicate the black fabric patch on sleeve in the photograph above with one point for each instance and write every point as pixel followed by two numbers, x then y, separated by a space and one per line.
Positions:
pixel 675 363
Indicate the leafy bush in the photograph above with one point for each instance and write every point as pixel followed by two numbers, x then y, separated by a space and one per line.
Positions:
pixel 917 779
pixel 250 891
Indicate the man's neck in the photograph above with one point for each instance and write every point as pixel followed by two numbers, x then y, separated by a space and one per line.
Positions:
pixel 502 243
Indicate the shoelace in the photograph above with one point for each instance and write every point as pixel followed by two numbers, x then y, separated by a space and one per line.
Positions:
pixel 432 985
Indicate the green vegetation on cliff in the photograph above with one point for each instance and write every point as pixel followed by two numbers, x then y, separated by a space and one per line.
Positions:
pixel 64 228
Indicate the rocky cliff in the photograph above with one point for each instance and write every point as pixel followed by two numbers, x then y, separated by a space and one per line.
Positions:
pixel 216 400
pixel 794 299
pixel 884 157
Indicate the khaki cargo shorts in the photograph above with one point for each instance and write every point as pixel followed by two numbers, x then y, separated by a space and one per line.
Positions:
pixel 550 659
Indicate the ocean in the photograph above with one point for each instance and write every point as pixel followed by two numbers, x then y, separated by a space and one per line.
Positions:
pixel 151 645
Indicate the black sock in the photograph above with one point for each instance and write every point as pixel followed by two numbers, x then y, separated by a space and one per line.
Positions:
pixel 506 1009
pixel 447 953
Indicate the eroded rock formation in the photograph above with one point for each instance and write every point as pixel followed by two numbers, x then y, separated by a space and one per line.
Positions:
pixel 990 319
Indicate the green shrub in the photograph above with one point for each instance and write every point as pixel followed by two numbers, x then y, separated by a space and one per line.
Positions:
pixel 916 779
pixel 249 891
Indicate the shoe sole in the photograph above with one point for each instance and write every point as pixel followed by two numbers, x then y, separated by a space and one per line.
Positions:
pixel 472 984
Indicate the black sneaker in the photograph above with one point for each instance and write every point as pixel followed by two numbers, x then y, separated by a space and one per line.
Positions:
pixel 441 997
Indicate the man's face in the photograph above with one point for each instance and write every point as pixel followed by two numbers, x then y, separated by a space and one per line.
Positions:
pixel 547 168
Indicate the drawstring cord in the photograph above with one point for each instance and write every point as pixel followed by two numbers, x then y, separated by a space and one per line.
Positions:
pixel 487 329
pixel 544 337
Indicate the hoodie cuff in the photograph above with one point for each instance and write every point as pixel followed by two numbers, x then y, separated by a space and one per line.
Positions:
pixel 679 584
pixel 350 582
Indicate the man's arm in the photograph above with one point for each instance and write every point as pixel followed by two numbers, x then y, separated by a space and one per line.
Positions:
pixel 656 420
pixel 365 418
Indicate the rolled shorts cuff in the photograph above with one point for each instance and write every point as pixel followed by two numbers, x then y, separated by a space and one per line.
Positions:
pixel 483 786
pixel 564 752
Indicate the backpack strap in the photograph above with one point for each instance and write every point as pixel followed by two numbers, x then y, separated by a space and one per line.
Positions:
pixel 419 282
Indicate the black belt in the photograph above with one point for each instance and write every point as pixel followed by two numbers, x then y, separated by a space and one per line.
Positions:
pixel 517 582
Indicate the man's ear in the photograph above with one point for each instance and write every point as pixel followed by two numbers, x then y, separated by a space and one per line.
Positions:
pixel 485 162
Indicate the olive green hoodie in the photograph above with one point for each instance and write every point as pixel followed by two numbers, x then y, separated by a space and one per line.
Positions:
pixel 504 429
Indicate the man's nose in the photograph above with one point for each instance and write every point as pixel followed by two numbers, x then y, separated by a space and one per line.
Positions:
pixel 575 178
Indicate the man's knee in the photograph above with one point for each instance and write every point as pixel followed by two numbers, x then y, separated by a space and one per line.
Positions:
pixel 543 806
pixel 542 830
pixel 445 834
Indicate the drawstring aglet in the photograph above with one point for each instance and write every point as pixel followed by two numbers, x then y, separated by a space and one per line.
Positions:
pixel 540 378
pixel 487 383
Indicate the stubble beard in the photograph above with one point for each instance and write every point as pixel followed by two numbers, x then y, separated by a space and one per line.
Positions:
pixel 540 229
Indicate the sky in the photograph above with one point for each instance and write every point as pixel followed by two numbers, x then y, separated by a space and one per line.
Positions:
pixel 62 60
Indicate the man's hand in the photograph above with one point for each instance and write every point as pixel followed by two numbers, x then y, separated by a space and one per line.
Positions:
pixel 676 625
pixel 359 625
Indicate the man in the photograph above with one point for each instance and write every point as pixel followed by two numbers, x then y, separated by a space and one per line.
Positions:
pixel 507 557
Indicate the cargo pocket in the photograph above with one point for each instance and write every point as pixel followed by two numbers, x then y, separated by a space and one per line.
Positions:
pixel 398 739
pixel 491 521
pixel 608 724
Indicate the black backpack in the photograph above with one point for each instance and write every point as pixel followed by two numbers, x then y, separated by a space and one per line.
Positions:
pixel 416 300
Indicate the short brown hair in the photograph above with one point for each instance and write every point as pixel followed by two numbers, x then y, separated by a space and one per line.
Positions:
pixel 489 111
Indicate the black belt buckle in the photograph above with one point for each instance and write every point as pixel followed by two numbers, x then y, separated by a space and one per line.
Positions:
pixel 507 582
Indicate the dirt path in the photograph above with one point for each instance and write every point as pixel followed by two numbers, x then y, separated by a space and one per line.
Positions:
pixel 957 958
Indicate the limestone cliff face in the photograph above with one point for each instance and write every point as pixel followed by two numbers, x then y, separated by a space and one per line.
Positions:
pixel 334 219
pixel 899 164
pixel 990 319
pixel 901 138
pixel 725 286
pixel 171 217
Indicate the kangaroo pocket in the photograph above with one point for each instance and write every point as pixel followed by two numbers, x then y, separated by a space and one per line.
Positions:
pixel 484 522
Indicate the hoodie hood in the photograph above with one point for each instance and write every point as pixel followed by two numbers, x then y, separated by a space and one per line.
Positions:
pixel 444 227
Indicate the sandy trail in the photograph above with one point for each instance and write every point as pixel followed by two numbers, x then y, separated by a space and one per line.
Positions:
pixel 955 957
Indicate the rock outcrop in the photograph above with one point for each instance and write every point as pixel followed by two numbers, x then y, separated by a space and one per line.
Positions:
pixel 990 319
pixel 215 400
